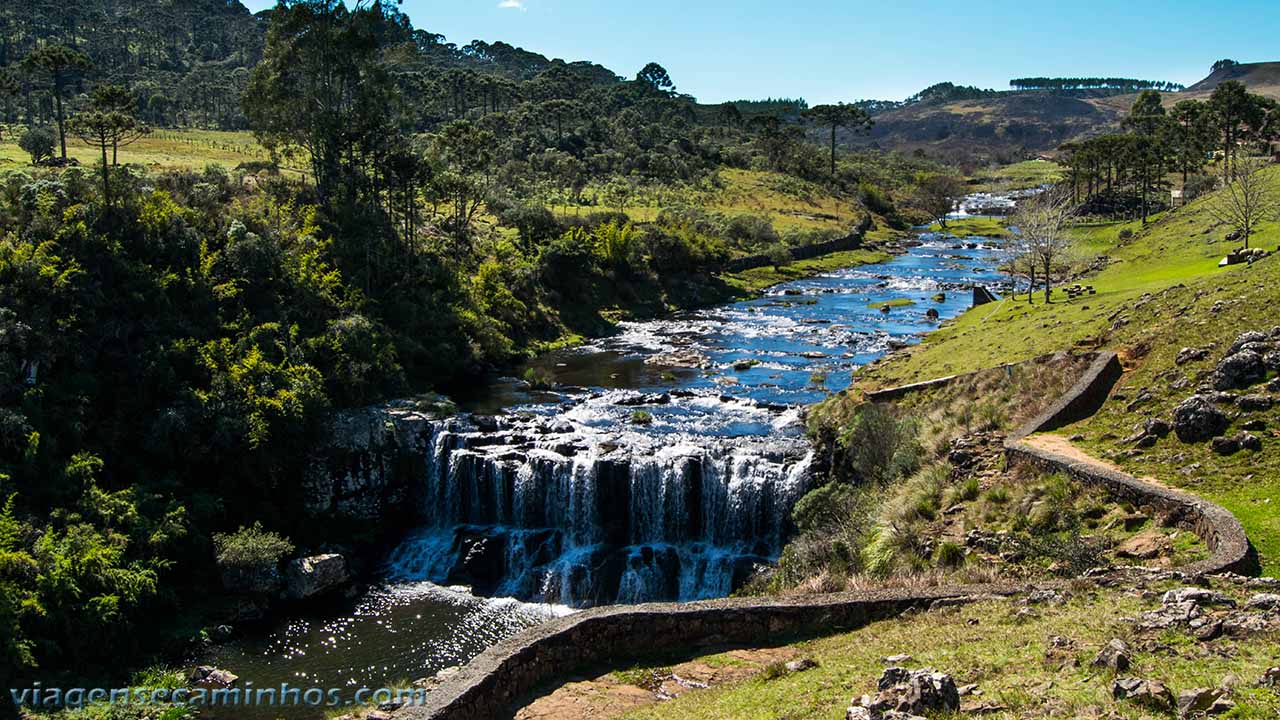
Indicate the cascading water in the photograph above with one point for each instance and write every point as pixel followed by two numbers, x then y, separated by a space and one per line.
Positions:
pixel 561 513
pixel 565 498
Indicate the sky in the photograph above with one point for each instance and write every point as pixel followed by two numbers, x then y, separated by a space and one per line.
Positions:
pixel 832 50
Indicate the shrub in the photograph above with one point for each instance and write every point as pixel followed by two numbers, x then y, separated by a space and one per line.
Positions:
pixel 250 547
pixel 779 256
pixel 751 231
pixel 615 244
pixel 880 447
pixel 641 417
pixel 949 555
pixel 249 559
pixel 1198 185
pixel 874 199
pixel 539 378
pixel 535 223
pixel 39 142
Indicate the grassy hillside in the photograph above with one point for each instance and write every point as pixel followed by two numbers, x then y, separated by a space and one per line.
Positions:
pixel 1025 174
pixel 1161 291
pixel 1003 127
pixel 162 150
pixel 1025 662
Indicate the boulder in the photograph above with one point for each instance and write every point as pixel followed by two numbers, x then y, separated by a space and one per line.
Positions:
pixel 913 692
pixel 1241 370
pixel 1197 701
pixel 212 678
pixel 1115 656
pixel 1197 596
pixel 801 665
pixel 1256 403
pixel 1263 601
pixel 1186 355
pixel 1196 420
pixel 1151 694
pixel 1144 546
pixel 311 576
pixel 1250 338
pixel 1225 445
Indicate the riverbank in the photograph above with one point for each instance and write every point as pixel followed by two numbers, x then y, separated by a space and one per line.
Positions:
pixel 1159 290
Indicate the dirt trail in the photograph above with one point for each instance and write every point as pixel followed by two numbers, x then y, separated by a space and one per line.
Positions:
pixel 611 695
pixel 1061 446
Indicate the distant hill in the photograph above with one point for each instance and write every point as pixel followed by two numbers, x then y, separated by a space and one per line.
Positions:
pixel 1262 78
pixel 1013 125
pixel 1002 127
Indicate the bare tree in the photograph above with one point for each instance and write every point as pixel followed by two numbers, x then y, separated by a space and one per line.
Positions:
pixel 1043 242
pixel 1245 202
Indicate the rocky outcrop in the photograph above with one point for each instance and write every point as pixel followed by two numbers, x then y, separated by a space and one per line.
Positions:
pixel 373 459
pixel 1197 419
pixel 309 577
pixel 903 693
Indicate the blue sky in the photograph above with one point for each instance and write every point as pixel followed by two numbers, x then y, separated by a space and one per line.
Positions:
pixel 828 50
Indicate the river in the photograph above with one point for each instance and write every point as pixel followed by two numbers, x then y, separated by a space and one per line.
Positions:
pixel 662 466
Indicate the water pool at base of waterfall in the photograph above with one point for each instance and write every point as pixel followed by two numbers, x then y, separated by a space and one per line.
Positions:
pixel 662 466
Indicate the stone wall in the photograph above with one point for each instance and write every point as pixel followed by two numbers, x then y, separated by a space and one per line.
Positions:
pixel 502 676
pixel 1220 530
pixel 852 241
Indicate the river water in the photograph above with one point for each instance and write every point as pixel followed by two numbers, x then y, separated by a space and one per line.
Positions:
pixel 662 466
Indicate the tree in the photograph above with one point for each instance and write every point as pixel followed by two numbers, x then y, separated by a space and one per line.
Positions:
pixel 111 98
pixel 836 117
pixel 39 143
pixel 1042 224
pixel 655 76
pixel 938 195
pixel 60 65
pixel 1245 202
pixel 467 153
pixel 1193 137
pixel 322 87
pixel 1223 65
pixel 1233 107
pixel 1147 114
pixel 9 88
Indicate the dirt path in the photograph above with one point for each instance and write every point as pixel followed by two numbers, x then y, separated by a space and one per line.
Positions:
pixel 1061 446
pixel 615 694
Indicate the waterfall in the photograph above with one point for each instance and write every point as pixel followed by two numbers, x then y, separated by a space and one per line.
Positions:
pixel 577 517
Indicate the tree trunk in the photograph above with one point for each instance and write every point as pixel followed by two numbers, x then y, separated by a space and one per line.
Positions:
pixel 62 123
pixel 106 177
pixel 833 156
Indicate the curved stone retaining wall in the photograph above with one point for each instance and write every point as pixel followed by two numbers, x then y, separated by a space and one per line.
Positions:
pixel 602 638
pixel 1229 548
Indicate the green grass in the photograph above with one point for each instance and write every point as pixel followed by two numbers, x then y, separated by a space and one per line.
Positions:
pixel 749 282
pixel 895 303
pixel 1174 260
pixel 161 150
pixel 1007 656
pixel 1029 173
